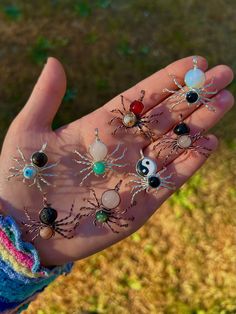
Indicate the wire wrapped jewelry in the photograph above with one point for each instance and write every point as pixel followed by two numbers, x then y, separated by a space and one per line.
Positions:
pixel 148 179
pixel 33 170
pixel 47 224
pixel 98 161
pixel 180 140
pixel 105 212
pixel 194 93
pixel 133 119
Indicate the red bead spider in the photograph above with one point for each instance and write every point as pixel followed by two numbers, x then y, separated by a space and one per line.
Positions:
pixel 133 119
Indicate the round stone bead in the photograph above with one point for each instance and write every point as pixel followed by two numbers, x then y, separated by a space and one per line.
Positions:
pixel 48 215
pixel 39 159
pixel 192 97
pixel 98 150
pixel 46 233
pixel 136 107
pixel 181 129
pixel 110 199
pixel 29 172
pixel 184 141
pixel 101 216
pixel 195 78
pixel 129 119
pixel 146 167
pixel 99 167
pixel 154 182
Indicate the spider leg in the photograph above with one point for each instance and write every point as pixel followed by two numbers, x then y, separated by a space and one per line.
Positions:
pixel 122 102
pixel 21 154
pixel 35 179
pixel 85 177
pixel 135 193
pixel 95 197
pixel 62 233
pixel 44 181
pixel 113 119
pixel 82 162
pixel 85 169
pixel 82 156
pixel 176 104
pixel 18 162
pixel 117 128
pixel 13 175
pixel 117 111
pixel 142 94
pixel 112 229
pixel 50 166
pixel 205 103
pixel 125 225
pixel 114 151
pixel 119 157
pixel 68 216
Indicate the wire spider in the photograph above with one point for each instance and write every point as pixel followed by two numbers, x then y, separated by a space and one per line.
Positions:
pixel 195 92
pixel 147 178
pixel 104 212
pixel 133 119
pixel 33 170
pixel 46 226
pixel 182 142
pixel 98 161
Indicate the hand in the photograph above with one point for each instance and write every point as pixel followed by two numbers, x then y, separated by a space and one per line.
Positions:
pixel 32 127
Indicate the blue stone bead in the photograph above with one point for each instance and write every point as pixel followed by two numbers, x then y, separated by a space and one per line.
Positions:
pixel 29 172
pixel 195 78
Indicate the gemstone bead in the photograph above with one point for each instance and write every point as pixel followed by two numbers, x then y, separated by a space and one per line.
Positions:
pixel 46 233
pixel 99 167
pixel 181 129
pixel 110 199
pixel 39 159
pixel 48 215
pixel 192 97
pixel 195 78
pixel 101 216
pixel 98 150
pixel 146 167
pixel 184 141
pixel 136 107
pixel 29 172
pixel 154 182
pixel 129 119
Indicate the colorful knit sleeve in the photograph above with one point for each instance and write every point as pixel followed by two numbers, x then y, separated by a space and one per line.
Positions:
pixel 21 275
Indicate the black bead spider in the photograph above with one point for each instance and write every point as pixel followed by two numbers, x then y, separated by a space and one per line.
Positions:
pixel 105 212
pixel 182 141
pixel 133 119
pixel 47 225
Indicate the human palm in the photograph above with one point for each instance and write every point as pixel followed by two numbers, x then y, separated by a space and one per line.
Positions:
pixel 32 128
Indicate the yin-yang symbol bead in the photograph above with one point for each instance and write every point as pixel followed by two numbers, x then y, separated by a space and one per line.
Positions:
pixel 146 167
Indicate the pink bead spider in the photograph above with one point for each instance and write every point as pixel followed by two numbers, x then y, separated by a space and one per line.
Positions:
pixel 182 141
pixel 133 119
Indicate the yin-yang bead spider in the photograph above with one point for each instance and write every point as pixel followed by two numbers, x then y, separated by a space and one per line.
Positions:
pixel 194 93
pixel 105 212
pixel 34 169
pixel 98 161
pixel 133 119
pixel 46 226
pixel 148 179
pixel 182 141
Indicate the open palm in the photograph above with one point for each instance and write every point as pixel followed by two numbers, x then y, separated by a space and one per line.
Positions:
pixel 32 128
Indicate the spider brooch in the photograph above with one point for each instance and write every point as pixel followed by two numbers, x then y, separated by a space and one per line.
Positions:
pixel 98 161
pixel 147 178
pixel 104 212
pixel 34 169
pixel 183 142
pixel 195 92
pixel 133 119
pixel 47 225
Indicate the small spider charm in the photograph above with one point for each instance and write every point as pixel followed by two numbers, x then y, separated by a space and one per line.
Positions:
pixel 147 178
pixel 105 212
pixel 98 161
pixel 183 141
pixel 195 92
pixel 47 225
pixel 133 119
pixel 33 170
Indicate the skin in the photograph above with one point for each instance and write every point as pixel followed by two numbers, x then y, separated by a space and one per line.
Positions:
pixel 32 127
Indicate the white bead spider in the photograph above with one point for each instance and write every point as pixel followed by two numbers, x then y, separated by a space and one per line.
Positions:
pixel 98 161
pixel 147 177
pixel 194 93
pixel 32 170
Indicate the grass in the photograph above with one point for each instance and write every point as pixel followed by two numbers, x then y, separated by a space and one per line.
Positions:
pixel 183 260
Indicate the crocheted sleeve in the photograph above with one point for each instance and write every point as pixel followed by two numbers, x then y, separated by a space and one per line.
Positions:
pixel 21 275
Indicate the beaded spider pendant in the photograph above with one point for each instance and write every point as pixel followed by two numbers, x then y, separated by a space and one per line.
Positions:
pixel 133 119
pixel 147 178
pixel 194 93
pixel 33 171
pixel 105 212
pixel 47 224
pixel 182 141
pixel 98 161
